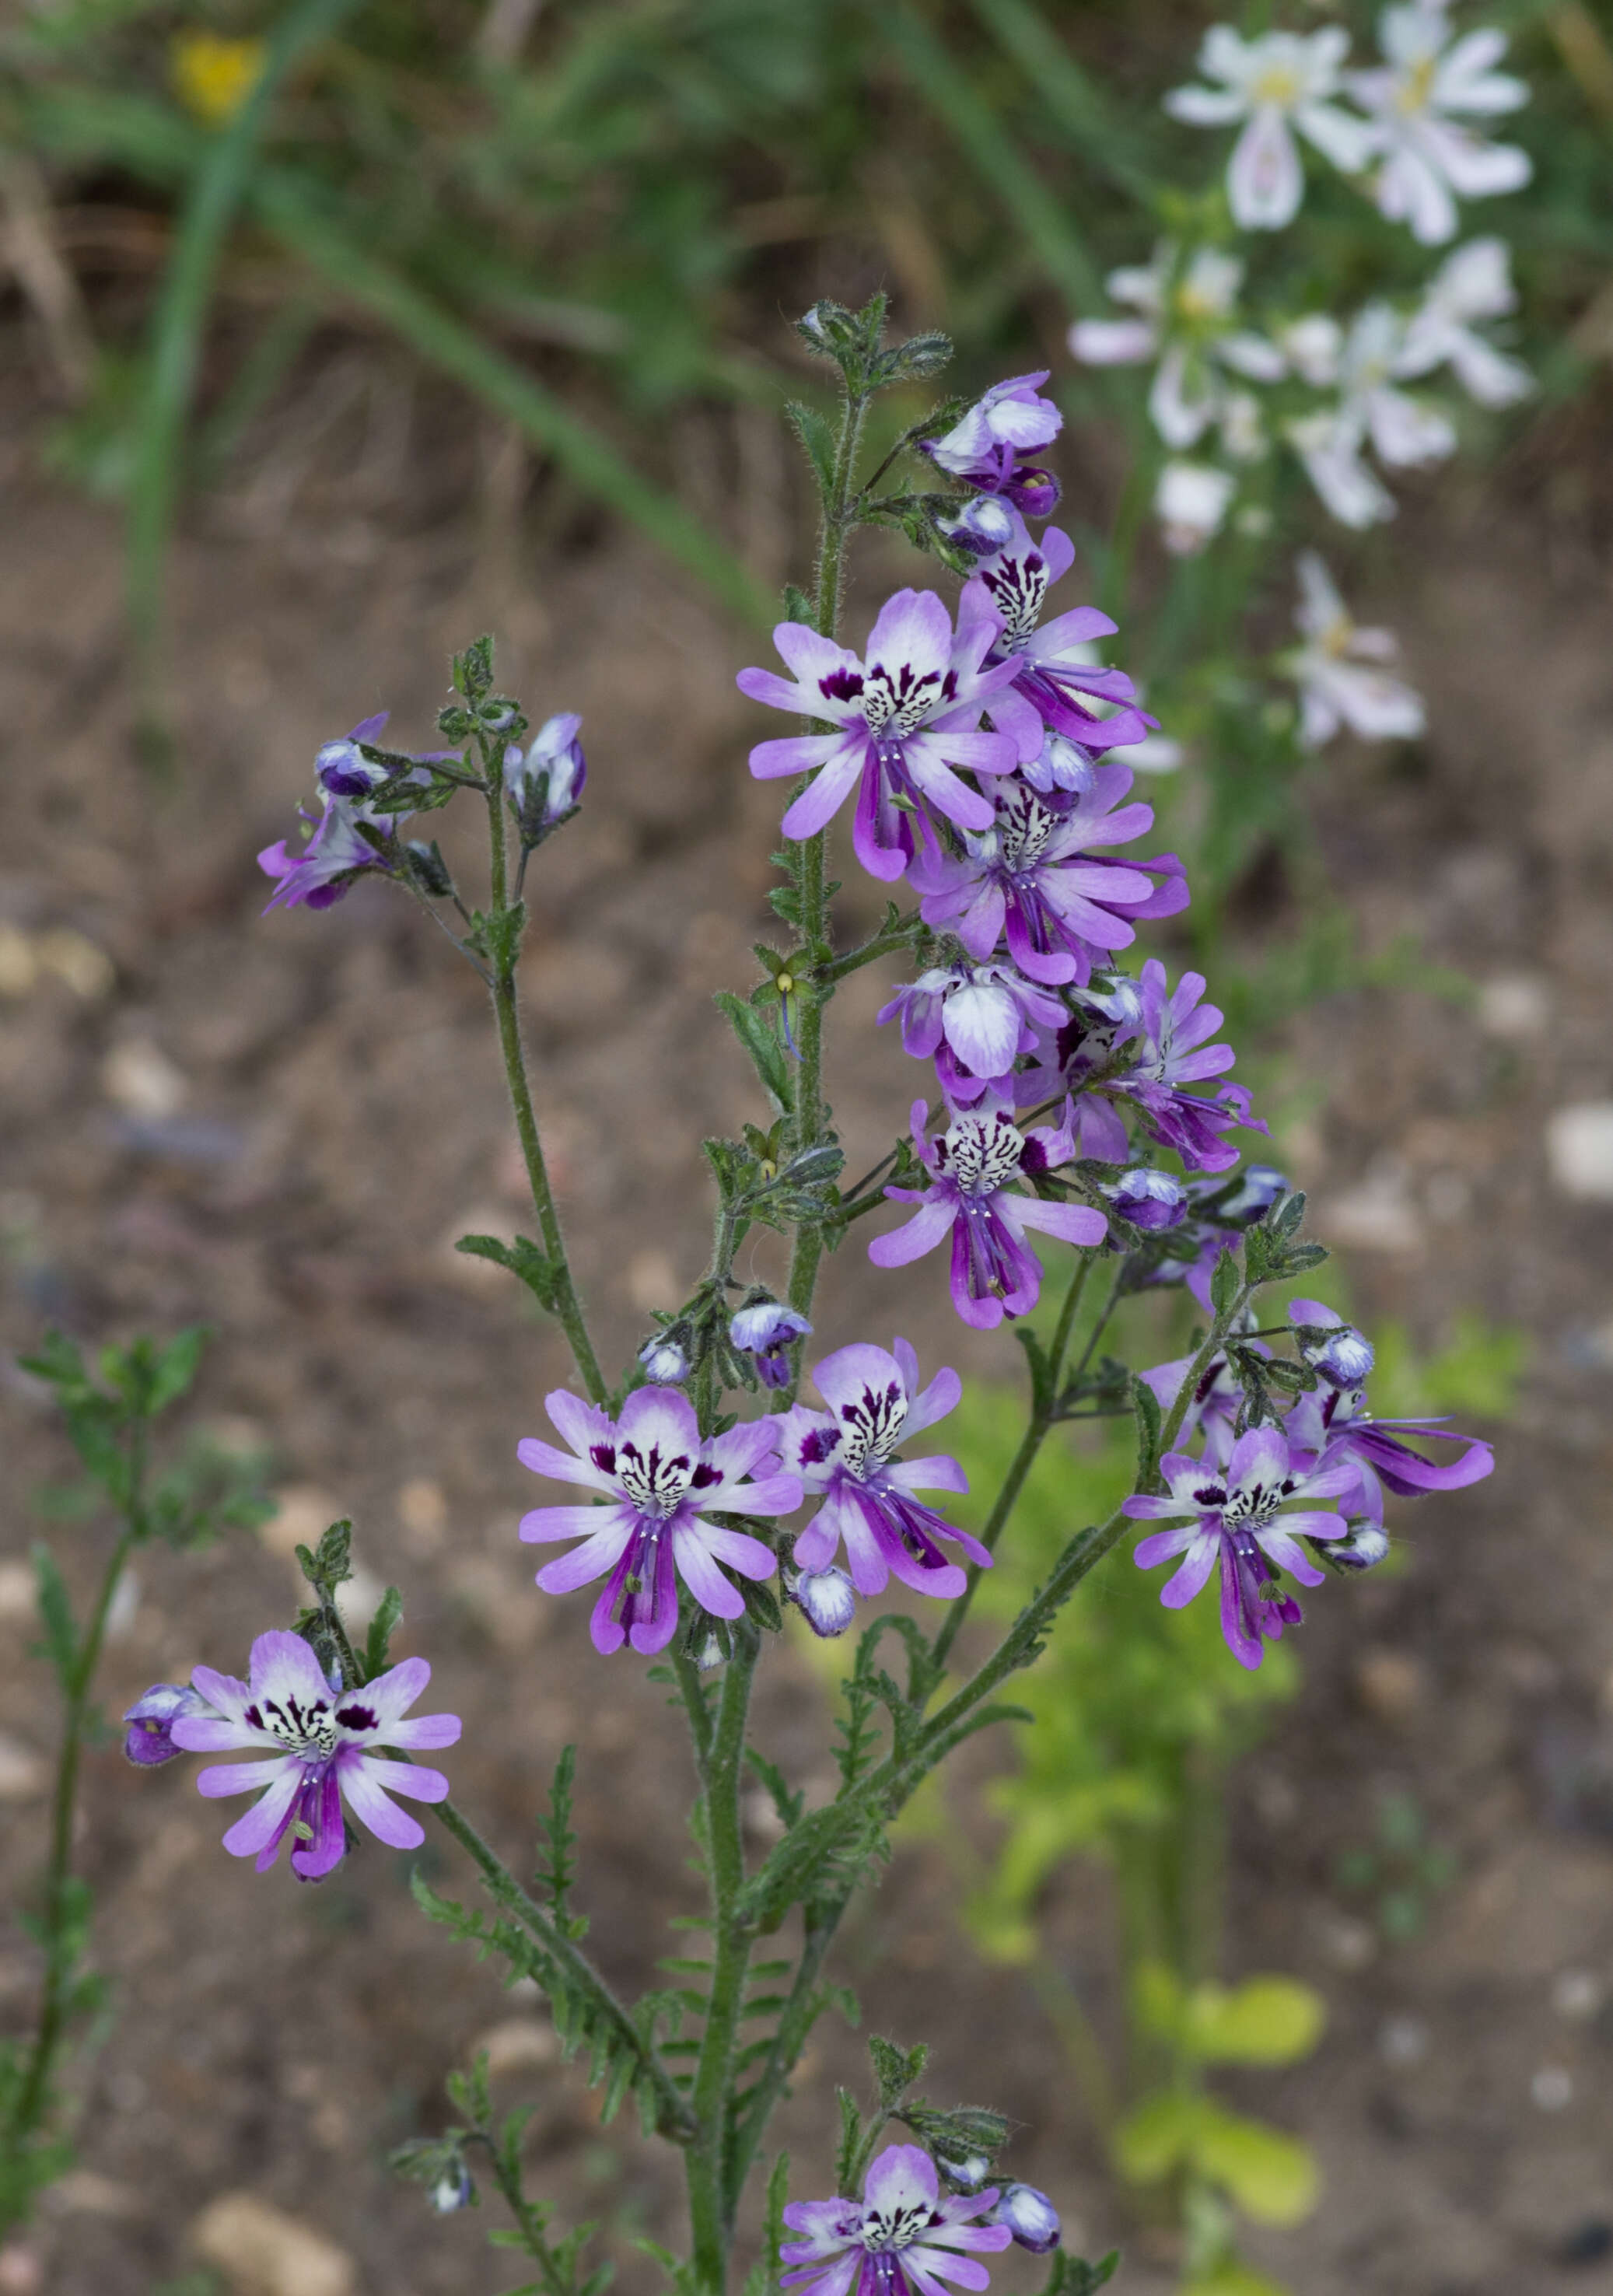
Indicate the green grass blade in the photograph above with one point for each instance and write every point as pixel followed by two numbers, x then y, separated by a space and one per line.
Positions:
pixel 446 344
pixel 180 317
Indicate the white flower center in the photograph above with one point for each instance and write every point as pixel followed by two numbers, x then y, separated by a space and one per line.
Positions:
pixel 655 1486
pixel 1027 829
pixel 981 1153
pixel 1278 83
pixel 873 1427
pixel 300 1729
pixel 898 700
pixel 882 2233
pixel 1018 590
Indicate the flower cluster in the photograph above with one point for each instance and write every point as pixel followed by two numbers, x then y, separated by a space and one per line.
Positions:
pixel 1268 1504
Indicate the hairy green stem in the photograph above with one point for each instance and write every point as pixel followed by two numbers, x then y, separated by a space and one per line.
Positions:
pixel 32 2098
pixel 710 2209
pixel 567 1306
pixel 673 2115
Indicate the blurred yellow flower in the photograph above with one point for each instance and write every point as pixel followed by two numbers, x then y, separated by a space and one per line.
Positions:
pixel 213 76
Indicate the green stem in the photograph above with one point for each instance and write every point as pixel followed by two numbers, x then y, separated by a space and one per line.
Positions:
pixel 30 2105
pixel 673 2115
pixel 710 2208
pixel 567 1306
pixel 1025 1458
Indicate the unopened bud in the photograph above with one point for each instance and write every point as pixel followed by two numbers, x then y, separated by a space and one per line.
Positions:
pixel 827 1599
pixel 765 1330
pixel 966 2172
pixel 428 869
pixel 151 1718
pixel 1335 1351
pixel 983 525
pixel 453 2190
pixel 1365 1544
pixel 545 780
pixel 1149 1199
pixel 666 1362
pixel 1030 2216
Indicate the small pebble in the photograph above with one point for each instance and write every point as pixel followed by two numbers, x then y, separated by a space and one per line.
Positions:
pixel 1577 1994
pixel 1579 1150
pixel 1513 1006
pixel 141 1079
pixel 263 2251
pixel 518 2045
pixel 1403 2041
pixel 1391 1685
pixel 1552 2088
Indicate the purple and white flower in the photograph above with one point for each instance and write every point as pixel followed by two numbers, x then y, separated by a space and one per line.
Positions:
pixel 974 1199
pixel 1335 1351
pixel 984 448
pixel 901 2239
pixel 909 715
pixel 974 1021
pixel 984 523
pixel 845 1456
pixel 1336 668
pixel 320 1745
pixel 1248 1518
pixel 342 769
pixel 335 854
pixel 1430 161
pixel 151 1718
pixel 666 1360
pixel 555 751
pixel 1031 2218
pixel 1472 284
pixel 1170 1030
pixel 1268 82
pixel 1053 668
pixel 1333 1428
pixel 827 1600
pixel 1149 1199
pixel 658 1476
pixel 1403 431
pixel 765 1330
pixel 1187 324
pixel 1033 878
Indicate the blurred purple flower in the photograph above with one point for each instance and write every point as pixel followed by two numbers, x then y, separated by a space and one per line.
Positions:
pixel 901 2239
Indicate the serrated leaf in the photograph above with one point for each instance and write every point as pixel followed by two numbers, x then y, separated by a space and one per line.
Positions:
pixel 378 1642
pixel 767 1053
pixel 816 435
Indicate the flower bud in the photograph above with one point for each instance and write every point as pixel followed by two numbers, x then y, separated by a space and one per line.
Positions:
pixel 428 869
pixel 1063 770
pixel 151 1718
pixel 666 1363
pixel 966 2172
pixel 545 781
pixel 1030 2216
pixel 340 768
pixel 453 2190
pixel 765 1330
pixel 1149 1199
pixel 827 1600
pixel 1335 1351
pixel 1248 1197
pixel 1364 1544
pixel 982 526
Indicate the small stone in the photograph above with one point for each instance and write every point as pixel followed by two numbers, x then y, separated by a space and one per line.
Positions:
pixel 1579 1150
pixel 517 2045
pixel 141 1079
pixel 16 1591
pixel 1391 1685
pixel 1376 1216
pixel 1552 2088
pixel 1349 1944
pixel 1513 1006
pixel 1577 1994
pixel 23 1773
pixel 1403 2041
pixel 88 971
pixel 262 2252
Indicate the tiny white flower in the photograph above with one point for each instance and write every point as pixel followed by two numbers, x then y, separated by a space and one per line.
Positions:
pixel 1471 284
pixel 1189 502
pixel 1282 77
pixel 1428 161
pixel 1312 347
pixel 1187 312
pixel 1332 668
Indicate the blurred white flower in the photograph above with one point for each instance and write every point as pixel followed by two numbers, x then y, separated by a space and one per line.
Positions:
pixel 1268 82
pixel 1189 502
pixel 1428 161
pixel 1403 430
pixel 1473 283
pixel 1186 313
pixel 1332 668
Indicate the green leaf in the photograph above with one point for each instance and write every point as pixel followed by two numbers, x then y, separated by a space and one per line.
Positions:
pixel 1156 2137
pixel 1224 1285
pixel 378 1642
pixel 176 1368
pixel 61 1644
pixel 1145 1407
pixel 894 2069
pixel 767 1054
pixel 1271 2177
pixel 332 1562
pixel 851 2139
pixel 1267 2021
pixel 522 1259
pixel 816 435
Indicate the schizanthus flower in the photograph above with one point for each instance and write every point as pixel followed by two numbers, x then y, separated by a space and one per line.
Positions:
pixel 1168 1034
pixel 554 752
pixel 1190 320
pixel 983 448
pixel 1338 669
pixel 973 1021
pixel 827 1600
pixel 909 714
pixel 900 2238
pixel 1473 283
pixel 1430 160
pixel 973 1198
pixel 1268 82
pixel 1403 431
pixel 1334 1428
pixel 1335 1351
pixel 845 1456
pixel 765 1332
pixel 659 1476
pixel 1033 880
pixel 1031 2218
pixel 320 1743
pixel 1248 1519
pixel 152 1717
